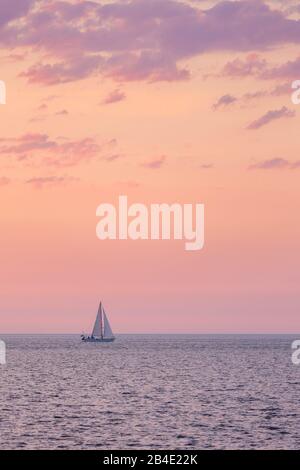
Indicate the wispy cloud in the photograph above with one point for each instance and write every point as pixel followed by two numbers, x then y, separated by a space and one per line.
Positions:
pixel 253 64
pixel 224 101
pixel 25 143
pixel 62 72
pixel 42 107
pixel 206 166
pixel 155 163
pixel 114 97
pixel 49 181
pixel 63 112
pixel 275 163
pixel 279 90
pixel 270 116
pixel 288 70
pixel 41 149
pixel 112 158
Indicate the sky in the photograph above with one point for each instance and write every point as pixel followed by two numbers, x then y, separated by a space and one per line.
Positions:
pixel 162 101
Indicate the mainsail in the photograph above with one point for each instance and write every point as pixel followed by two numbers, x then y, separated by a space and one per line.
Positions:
pixel 97 331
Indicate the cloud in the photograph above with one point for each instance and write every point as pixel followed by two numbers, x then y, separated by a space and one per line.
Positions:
pixel 51 97
pixel 270 116
pixel 278 90
pixel 42 107
pixel 224 101
pixel 238 68
pixel 275 163
pixel 39 148
pixel 114 97
pixel 254 65
pixel 42 181
pixel 156 163
pixel 140 39
pixel 63 112
pixel 281 89
pixel 288 70
pixel 25 143
pixel 52 74
pixel 13 9
pixel 254 95
pixel 149 66
pixel 206 166
pixel 112 158
pixel 15 57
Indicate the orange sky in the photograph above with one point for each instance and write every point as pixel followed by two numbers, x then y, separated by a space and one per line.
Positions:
pixel 67 147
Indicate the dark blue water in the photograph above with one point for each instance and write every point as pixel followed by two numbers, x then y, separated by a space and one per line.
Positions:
pixel 150 392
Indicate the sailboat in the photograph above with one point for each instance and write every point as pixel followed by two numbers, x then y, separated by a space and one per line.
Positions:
pixel 102 332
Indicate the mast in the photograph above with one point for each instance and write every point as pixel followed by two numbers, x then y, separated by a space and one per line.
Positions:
pixel 97 330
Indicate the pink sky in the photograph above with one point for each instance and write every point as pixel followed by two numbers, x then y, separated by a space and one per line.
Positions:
pixel 164 101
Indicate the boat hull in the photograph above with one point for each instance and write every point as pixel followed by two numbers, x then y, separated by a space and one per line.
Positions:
pixel 98 340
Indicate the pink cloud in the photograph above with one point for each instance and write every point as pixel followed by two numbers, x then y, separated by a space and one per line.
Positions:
pixel 275 163
pixel 42 181
pixel 26 143
pixel 156 163
pixel 63 112
pixel 270 116
pixel 141 39
pixel 13 9
pixel 278 90
pixel 206 166
pixel 39 148
pixel 112 158
pixel 281 89
pixel 256 66
pixel 62 72
pixel 42 107
pixel 150 66
pixel 224 101
pixel 251 65
pixel 114 97
pixel 288 70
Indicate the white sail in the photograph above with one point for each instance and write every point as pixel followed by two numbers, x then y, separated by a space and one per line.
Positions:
pixel 107 329
pixel 97 330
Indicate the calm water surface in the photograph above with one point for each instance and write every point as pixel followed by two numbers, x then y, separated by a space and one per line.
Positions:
pixel 149 392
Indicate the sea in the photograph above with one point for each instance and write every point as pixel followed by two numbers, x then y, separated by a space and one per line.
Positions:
pixel 150 392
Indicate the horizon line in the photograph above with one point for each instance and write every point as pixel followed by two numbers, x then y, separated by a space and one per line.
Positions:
pixel 162 333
